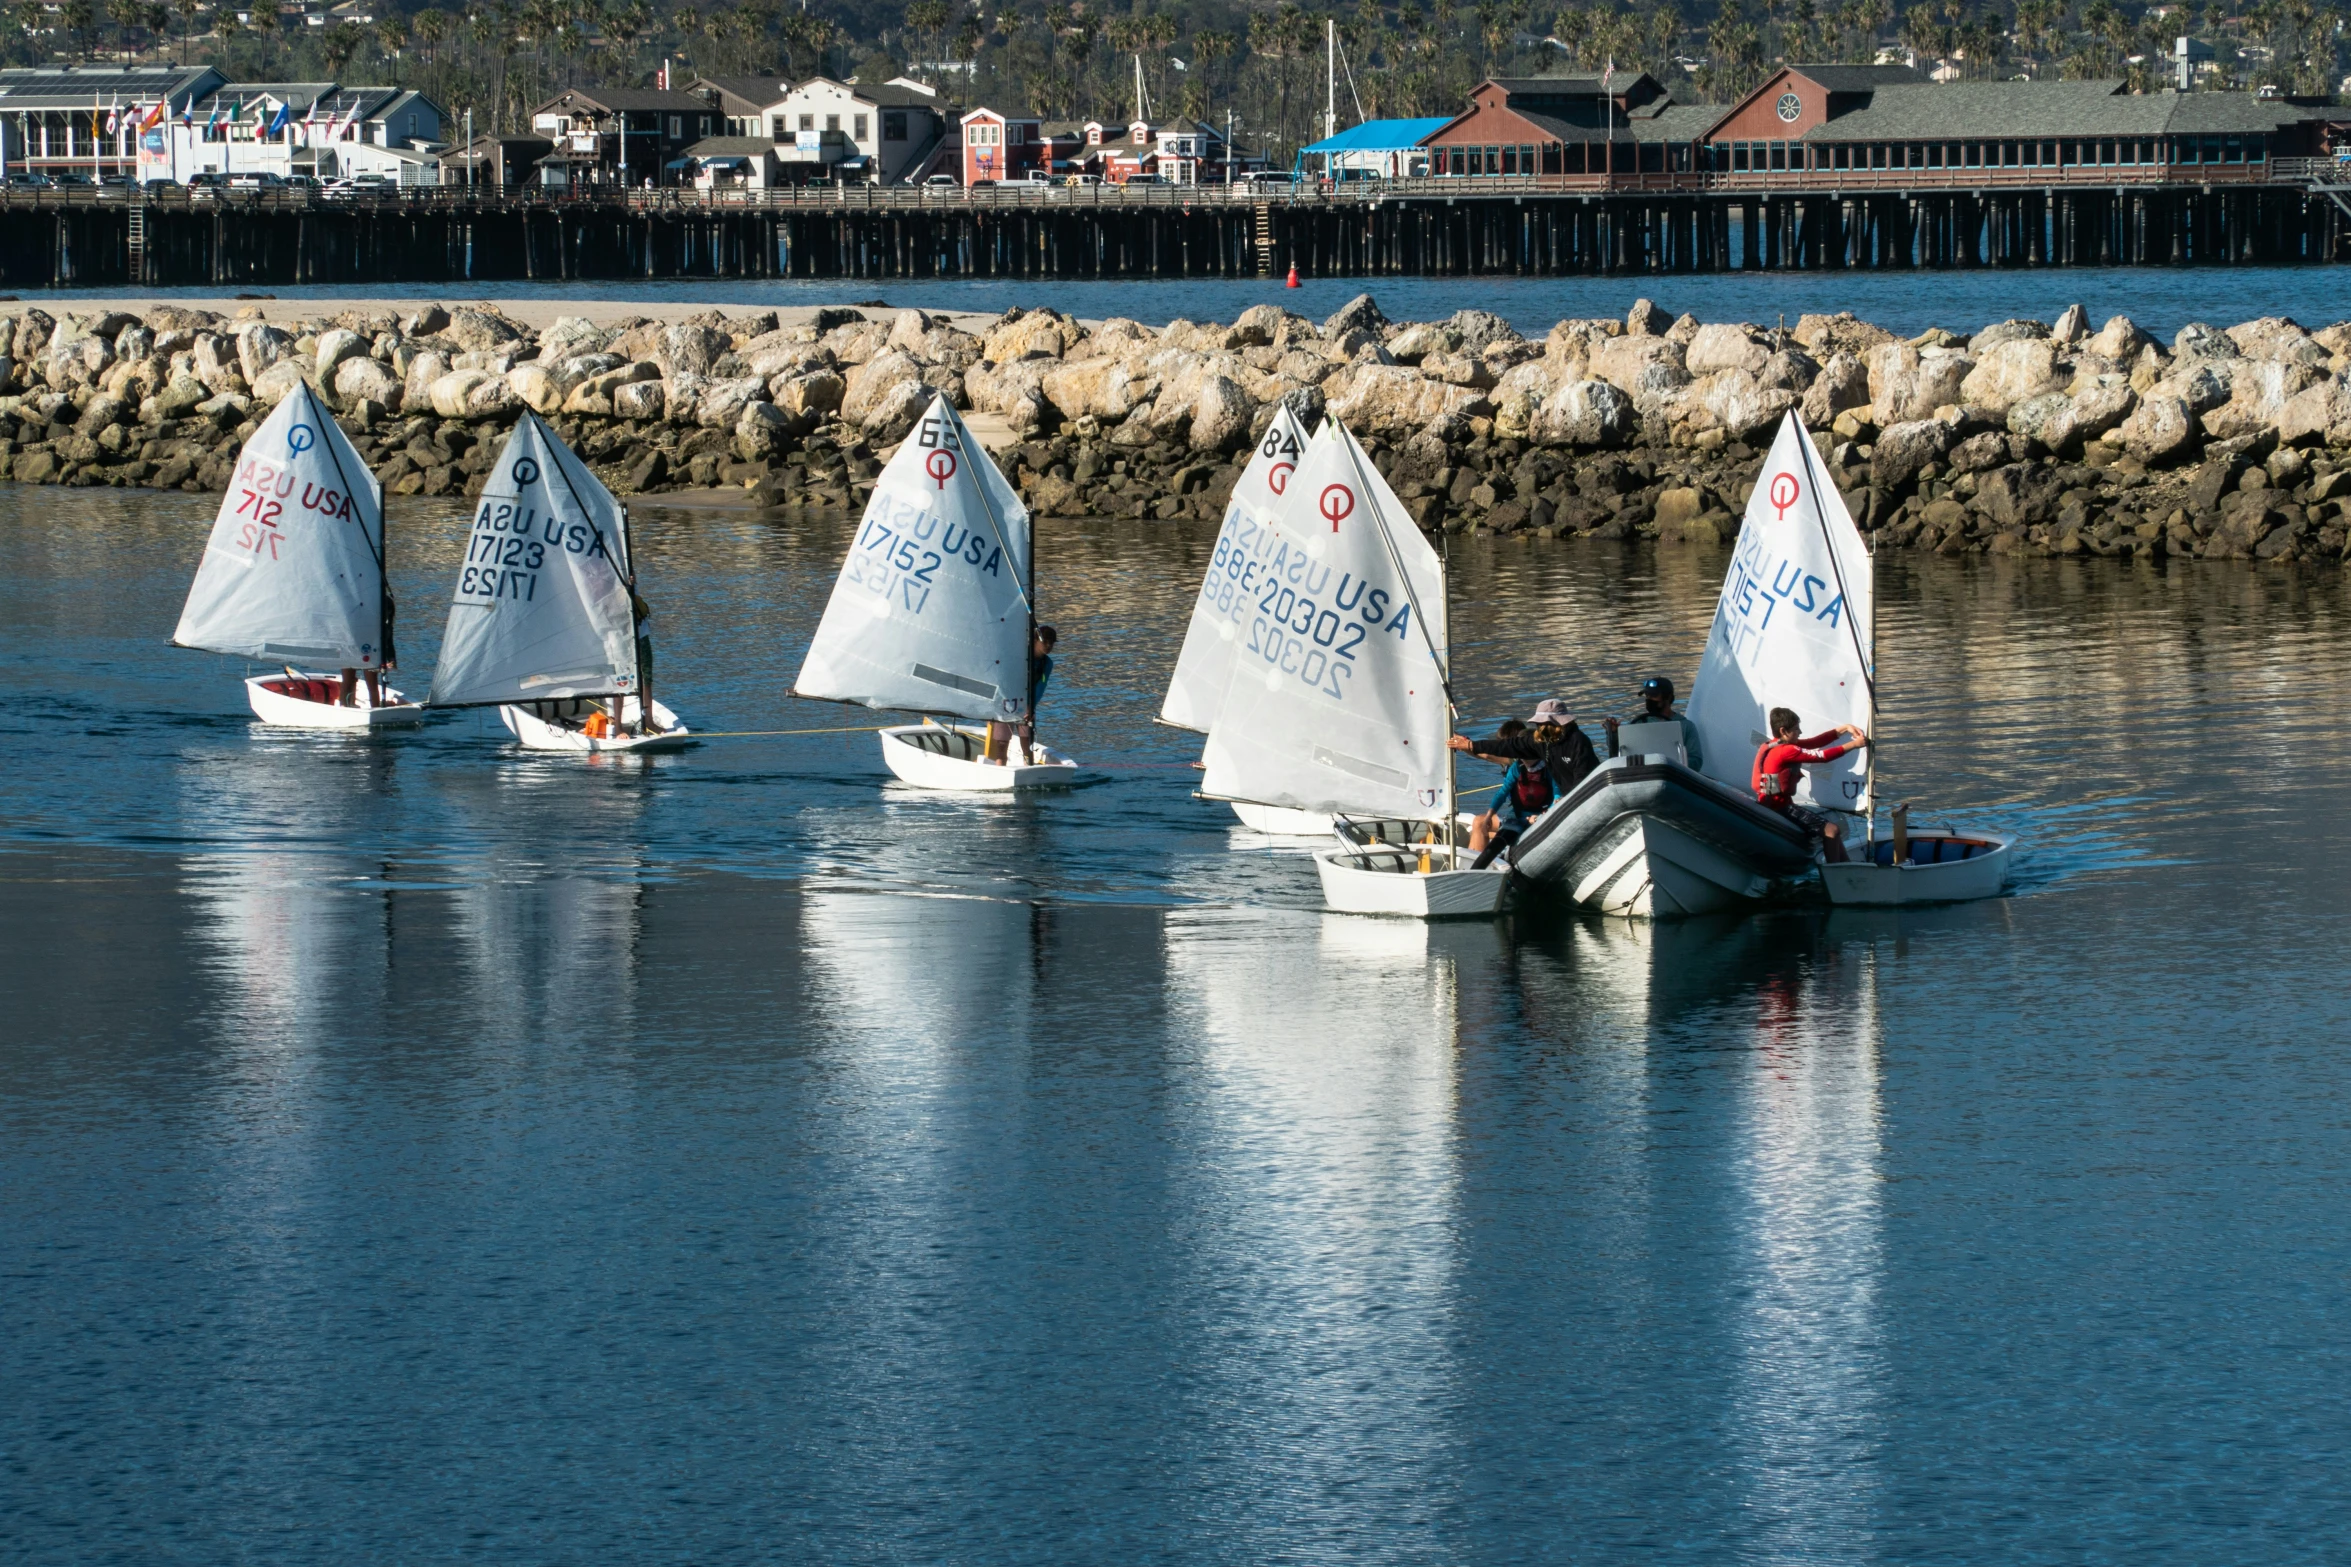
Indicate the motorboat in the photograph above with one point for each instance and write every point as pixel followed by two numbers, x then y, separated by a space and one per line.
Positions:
pixel 1645 836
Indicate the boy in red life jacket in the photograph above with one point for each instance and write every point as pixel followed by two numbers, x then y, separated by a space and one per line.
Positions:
pixel 1780 764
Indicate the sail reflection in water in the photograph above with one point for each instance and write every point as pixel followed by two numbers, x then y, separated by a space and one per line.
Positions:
pixel 1806 1416
pixel 1325 1174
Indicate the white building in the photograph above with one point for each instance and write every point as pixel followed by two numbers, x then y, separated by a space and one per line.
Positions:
pixel 856 132
pixel 90 119
pixel 320 129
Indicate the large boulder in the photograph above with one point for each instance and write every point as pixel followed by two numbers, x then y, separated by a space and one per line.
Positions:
pixel 1360 314
pixel 1015 390
pixel 868 383
pixel 423 371
pixel 2009 373
pixel 535 386
pixel 2198 340
pixel 567 336
pixel 2119 340
pixel 2061 423
pixel 1418 341
pixel 2161 429
pixel 180 397
pixel 1520 395
pixel 259 346
pixel 1027 334
pixel 1391 400
pixel 1478 330
pixel 447 394
pixel 336 346
pixel 1907 383
pixel 1843 333
pixel 641 400
pixel 1586 413
pixel 1649 370
pixel 1904 450
pixel 893 414
pixel 271 387
pixel 763 430
pixel 696 350
pixel 857 341
pixel 481 331
pixel 2278 341
pixel 808 396
pixel 369 380
pixel 592 394
pixel 2259 390
pixel 491 398
pixel 1734 402
pixel 1222 414
pixel 1722 346
pixel 2317 414
pixel 1106 389
pixel 1646 320
pixel 2011 331
pixel 723 399
pixel 1843 383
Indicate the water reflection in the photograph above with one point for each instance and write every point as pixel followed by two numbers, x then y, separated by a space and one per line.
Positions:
pixel 1807 1403
pixel 1324 1173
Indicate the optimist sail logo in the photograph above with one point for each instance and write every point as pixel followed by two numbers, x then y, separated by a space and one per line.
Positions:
pixel 1336 503
pixel 1783 493
pixel 525 471
pixel 1277 479
pixel 300 439
pixel 940 465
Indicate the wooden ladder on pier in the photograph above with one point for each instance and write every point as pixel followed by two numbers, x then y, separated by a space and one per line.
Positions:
pixel 138 240
pixel 1264 239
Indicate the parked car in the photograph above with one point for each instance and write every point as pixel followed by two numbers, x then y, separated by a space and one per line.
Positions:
pixel 209 179
pixel 1263 177
pixel 941 182
pixel 1081 179
pixel 260 179
pixel 981 185
pixel 161 185
pixel 1033 179
pixel 28 180
pixel 71 181
pixel 302 182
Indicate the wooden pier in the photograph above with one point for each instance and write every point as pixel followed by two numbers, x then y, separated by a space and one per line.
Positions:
pixel 1444 227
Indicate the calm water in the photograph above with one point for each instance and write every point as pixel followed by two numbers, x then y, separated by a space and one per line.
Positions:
pixel 413 1151
pixel 2157 298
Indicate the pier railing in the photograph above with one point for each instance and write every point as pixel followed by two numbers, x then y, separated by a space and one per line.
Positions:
pixel 1144 195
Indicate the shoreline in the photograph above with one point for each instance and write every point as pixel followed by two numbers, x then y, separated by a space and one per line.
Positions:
pixel 2021 436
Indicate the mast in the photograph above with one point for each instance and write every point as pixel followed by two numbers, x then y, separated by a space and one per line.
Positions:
pixel 1867 656
pixel 1330 78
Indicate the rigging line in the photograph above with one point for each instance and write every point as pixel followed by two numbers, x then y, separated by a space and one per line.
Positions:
pixel 376 546
pixel 1869 673
pixel 1396 559
pixel 1350 70
pixel 762 734
pixel 966 440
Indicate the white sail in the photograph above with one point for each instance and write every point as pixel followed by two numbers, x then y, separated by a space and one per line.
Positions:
pixel 1337 700
pixel 931 611
pixel 1792 629
pixel 1220 614
pixel 542 603
pixel 294 570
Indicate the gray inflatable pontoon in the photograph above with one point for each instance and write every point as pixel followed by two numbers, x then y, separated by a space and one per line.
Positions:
pixel 1646 836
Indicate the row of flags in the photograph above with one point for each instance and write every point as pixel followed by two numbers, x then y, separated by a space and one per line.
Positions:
pixel 109 122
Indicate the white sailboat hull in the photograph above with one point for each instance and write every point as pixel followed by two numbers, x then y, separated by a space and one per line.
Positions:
pixel 555 726
pixel 1387 879
pixel 1653 870
pixel 1284 821
pixel 952 758
pixel 1931 875
pixel 279 700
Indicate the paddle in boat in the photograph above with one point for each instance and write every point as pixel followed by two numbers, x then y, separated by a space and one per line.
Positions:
pixel 934 612
pixel 294 570
pixel 1339 700
pixel 1647 835
pixel 546 624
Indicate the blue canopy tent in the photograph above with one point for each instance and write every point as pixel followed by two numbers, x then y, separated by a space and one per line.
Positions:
pixel 1374 150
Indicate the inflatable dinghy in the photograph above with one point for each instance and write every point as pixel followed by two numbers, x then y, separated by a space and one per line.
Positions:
pixel 1644 835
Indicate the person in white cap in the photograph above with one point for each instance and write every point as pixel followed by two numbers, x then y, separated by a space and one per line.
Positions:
pixel 1551 742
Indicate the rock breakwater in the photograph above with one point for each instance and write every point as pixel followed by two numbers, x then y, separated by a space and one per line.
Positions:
pixel 2024 436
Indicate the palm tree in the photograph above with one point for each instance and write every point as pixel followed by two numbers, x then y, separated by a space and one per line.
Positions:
pixel 392 34
pixel 337 48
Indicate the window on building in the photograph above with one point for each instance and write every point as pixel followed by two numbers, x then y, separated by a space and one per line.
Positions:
pixel 808 122
pixel 2256 149
pixel 779 127
pixel 894 125
pixel 857 127
pixel 832 122
pixel 677 126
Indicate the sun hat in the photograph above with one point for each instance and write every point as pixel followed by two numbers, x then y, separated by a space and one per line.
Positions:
pixel 1551 710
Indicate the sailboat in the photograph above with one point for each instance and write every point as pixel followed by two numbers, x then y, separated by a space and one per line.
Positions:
pixel 1647 835
pixel 934 613
pixel 544 621
pixel 1244 567
pixel 294 570
pixel 1340 697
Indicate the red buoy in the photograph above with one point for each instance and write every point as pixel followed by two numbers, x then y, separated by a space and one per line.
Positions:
pixel 1293 283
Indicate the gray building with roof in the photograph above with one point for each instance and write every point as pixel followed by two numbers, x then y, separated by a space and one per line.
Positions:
pixel 91 120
